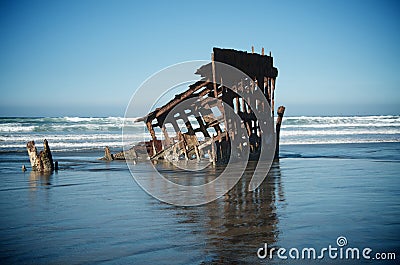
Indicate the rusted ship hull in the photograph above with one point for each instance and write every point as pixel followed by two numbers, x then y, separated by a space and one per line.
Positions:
pixel 195 131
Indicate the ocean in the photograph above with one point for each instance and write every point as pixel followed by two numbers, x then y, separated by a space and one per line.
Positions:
pixel 77 133
pixel 338 177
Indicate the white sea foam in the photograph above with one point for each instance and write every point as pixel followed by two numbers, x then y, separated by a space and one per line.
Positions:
pixel 14 127
pixel 65 146
pixel 342 125
pixel 72 137
pixel 339 132
pixel 79 119
pixel 79 133
pixel 337 141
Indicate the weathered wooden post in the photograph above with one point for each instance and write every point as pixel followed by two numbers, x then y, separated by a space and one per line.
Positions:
pixel 280 112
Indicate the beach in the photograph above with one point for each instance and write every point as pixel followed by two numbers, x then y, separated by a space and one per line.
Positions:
pixel 327 186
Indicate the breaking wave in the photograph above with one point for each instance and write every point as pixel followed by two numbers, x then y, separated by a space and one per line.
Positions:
pixel 86 133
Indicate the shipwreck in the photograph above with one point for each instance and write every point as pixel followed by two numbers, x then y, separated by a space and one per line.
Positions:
pixel 196 123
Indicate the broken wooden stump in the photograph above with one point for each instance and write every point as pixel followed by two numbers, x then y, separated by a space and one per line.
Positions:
pixel 42 162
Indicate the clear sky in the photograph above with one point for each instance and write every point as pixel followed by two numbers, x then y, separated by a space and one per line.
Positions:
pixel 86 58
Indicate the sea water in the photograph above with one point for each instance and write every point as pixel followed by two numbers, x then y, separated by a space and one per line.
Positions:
pixel 338 177
pixel 76 133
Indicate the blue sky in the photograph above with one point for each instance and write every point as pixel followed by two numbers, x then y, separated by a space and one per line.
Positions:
pixel 86 58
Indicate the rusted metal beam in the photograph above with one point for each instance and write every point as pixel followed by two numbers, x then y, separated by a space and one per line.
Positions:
pixel 280 112
pixel 213 76
pixel 178 98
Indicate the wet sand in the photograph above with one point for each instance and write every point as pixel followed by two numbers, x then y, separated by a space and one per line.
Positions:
pixel 93 212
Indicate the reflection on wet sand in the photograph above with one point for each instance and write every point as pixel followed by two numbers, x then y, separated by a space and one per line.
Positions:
pixel 234 226
pixel 237 224
pixel 241 221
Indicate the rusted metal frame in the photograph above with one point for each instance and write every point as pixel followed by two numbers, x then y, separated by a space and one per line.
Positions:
pixel 272 96
pixel 213 75
pixel 183 141
pixel 165 150
pixel 179 98
pixel 243 109
pixel 188 125
pixel 202 125
pixel 167 140
pixel 280 112
pixel 160 116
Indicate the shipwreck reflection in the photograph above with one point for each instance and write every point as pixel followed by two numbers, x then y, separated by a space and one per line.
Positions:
pixel 235 225
pixel 242 220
